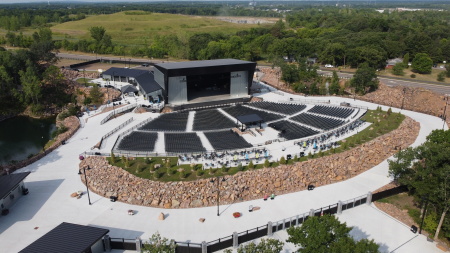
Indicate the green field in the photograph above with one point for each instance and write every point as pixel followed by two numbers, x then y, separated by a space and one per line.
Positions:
pixel 126 29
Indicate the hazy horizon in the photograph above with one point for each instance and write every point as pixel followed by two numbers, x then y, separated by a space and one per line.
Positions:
pixel 140 1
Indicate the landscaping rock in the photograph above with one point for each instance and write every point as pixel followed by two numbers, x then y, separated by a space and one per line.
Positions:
pixel 161 216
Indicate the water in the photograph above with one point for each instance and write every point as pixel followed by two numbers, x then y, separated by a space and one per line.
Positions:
pixel 22 136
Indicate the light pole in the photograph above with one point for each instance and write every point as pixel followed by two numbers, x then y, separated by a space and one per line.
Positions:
pixel 218 179
pixel 444 116
pixel 85 181
pixel 424 200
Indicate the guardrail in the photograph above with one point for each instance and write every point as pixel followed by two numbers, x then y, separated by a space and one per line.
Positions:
pixel 114 130
pixel 114 112
pixel 268 229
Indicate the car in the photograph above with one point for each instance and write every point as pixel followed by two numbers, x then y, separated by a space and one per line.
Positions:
pixel 328 66
pixel 145 65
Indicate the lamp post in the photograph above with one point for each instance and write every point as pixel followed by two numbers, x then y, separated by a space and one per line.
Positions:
pixel 86 182
pixel 425 201
pixel 444 116
pixel 218 179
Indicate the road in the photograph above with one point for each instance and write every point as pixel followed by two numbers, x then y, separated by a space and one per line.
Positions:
pixel 438 88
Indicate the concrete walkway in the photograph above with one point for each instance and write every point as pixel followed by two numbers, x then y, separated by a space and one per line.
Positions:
pixel 55 177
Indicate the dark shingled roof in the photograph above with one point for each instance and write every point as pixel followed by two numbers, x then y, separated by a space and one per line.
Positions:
pixel 124 72
pixel 9 182
pixel 147 82
pixel 244 119
pixel 128 89
pixel 67 238
pixel 197 64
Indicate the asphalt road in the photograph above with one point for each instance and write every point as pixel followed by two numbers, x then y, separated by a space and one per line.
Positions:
pixel 438 88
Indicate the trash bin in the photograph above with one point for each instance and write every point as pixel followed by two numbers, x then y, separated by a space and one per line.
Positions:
pixel 311 187
pixel 250 208
pixel 113 198
pixel 414 229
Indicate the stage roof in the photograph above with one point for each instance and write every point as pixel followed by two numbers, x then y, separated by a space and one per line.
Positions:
pixel 124 72
pixel 249 118
pixel 201 64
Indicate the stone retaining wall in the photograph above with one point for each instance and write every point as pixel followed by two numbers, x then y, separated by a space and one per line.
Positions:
pixel 107 180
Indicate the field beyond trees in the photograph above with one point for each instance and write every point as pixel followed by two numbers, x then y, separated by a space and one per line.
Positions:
pixel 140 28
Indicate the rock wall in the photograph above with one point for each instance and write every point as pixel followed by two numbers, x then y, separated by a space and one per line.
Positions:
pixel 107 180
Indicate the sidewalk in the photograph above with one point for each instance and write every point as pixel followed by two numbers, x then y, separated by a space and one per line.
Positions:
pixel 55 177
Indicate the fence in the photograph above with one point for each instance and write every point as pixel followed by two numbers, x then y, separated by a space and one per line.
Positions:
pixel 114 112
pixel 268 229
pixel 114 130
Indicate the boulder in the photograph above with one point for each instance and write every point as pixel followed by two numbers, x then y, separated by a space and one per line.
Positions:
pixel 161 216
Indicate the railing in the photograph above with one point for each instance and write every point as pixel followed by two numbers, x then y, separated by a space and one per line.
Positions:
pixel 268 229
pixel 114 112
pixel 114 130
pixel 304 101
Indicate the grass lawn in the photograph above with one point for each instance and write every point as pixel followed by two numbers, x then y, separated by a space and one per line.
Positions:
pixel 85 81
pixel 419 77
pixel 132 30
pixel 382 124
pixel 404 201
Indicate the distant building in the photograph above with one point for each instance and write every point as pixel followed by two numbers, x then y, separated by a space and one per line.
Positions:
pixel 11 189
pixel 391 62
pixel 141 81
pixel 71 238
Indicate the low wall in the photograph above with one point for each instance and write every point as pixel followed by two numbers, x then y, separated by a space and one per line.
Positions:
pixel 72 123
pixel 107 180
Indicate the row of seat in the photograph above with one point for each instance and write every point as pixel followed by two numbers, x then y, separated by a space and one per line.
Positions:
pixel 223 140
pixel 183 142
pixel 291 131
pixel 139 141
pixel 211 120
pixel 239 110
pixel 288 109
pixel 168 122
pixel 338 112
pixel 318 121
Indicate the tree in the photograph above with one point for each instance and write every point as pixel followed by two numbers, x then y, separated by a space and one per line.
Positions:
pixel 406 60
pixel 326 234
pixel 30 85
pixel 422 64
pixel 265 246
pixel 282 160
pixel 97 32
pixel 447 67
pixel 96 95
pixel 441 76
pixel 334 87
pixel 425 170
pixel 365 77
pixel 398 69
pixel 158 244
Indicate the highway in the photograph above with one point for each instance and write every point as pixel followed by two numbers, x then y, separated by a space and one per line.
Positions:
pixel 438 88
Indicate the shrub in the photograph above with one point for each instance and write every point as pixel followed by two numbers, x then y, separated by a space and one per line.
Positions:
pixel 282 160
pixel 441 77
pixel 182 174
pixel 389 111
pixel 171 172
pixel 296 158
pixel 266 163
pixel 113 158
pixel 194 167
pixel 148 160
pixel 413 75
pixel 225 169
pixel 251 165
pixel 157 175
pixel 240 167
pixel 200 173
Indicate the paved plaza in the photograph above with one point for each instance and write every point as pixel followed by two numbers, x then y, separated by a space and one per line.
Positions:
pixel 55 177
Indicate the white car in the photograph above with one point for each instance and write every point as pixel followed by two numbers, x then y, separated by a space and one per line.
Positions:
pixel 328 66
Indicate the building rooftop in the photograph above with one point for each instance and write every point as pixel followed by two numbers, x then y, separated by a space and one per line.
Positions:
pixel 9 182
pixel 124 72
pixel 147 82
pixel 198 64
pixel 68 238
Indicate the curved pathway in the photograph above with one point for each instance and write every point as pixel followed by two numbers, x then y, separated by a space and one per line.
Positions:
pixel 55 177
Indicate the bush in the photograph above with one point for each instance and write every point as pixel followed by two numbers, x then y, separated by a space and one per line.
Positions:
pixel 266 163
pixel 182 174
pixel 413 75
pixel 200 173
pixel 61 129
pixel 148 160
pixel 113 158
pixel 240 167
pixel 157 175
pixel 282 160
pixel 251 165
pixel 225 169
pixel 389 111
pixel 441 77
pixel 171 172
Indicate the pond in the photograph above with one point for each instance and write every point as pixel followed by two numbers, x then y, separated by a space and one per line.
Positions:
pixel 22 136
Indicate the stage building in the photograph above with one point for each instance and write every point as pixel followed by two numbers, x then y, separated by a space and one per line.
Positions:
pixel 204 81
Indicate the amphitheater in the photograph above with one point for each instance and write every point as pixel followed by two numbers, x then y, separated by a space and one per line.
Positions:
pixel 287 125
